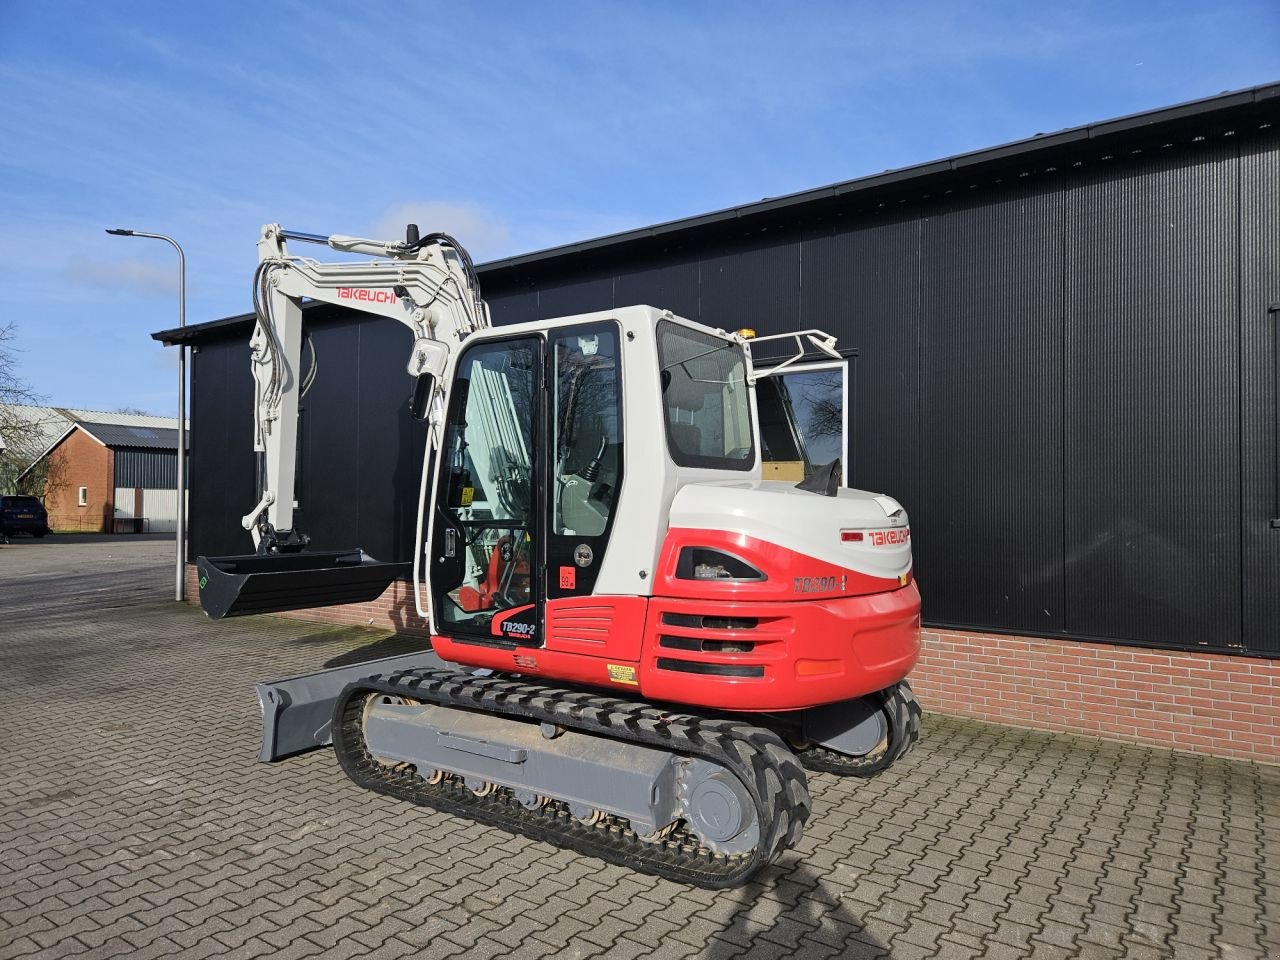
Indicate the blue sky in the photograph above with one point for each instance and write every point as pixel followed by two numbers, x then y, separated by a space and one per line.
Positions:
pixel 515 126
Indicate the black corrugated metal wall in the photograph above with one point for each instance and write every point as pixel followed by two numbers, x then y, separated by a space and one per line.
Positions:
pixel 360 450
pixel 148 469
pixel 1069 379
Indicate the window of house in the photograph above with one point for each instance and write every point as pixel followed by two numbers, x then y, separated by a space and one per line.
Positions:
pixel 84 496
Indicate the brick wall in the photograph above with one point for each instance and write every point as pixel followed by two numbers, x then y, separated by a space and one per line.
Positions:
pixel 82 462
pixel 1201 702
pixel 393 611
pixel 1221 705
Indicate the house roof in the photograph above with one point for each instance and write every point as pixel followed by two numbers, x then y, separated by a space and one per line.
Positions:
pixel 135 436
pixel 43 428
pixel 1219 114
pixel 46 425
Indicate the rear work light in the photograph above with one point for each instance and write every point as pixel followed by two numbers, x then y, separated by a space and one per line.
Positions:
pixel 703 563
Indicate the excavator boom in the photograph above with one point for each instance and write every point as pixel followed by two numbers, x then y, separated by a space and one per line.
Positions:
pixel 429 285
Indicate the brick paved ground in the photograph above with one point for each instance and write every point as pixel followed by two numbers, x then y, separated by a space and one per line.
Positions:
pixel 134 821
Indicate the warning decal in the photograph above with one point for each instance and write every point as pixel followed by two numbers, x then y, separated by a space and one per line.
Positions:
pixel 619 673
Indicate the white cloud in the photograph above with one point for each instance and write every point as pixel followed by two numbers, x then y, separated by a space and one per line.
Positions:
pixel 140 277
pixel 484 235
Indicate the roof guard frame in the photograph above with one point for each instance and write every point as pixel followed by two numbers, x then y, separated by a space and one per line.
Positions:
pixel 820 339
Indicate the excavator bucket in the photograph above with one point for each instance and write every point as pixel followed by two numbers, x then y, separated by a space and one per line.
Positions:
pixel 237 586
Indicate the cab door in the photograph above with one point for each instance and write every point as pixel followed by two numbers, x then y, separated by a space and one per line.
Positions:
pixel 585 416
pixel 486 557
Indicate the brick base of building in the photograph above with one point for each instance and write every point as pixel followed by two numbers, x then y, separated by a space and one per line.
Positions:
pixel 393 611
pixel 1217 704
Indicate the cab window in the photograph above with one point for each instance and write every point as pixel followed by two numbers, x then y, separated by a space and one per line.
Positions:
pixel 706 401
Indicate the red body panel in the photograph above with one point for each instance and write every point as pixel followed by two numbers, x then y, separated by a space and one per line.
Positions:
pixel 759 645
pixel 609 627
pixel 806 652
pixel 783 568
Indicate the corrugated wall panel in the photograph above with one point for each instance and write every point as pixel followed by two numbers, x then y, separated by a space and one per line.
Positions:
pixel 863 285
pixel 1153 481
pixel 327 483
pixel 756 285
pixel 512 305
pixel 957 408
pixel 990 543
pixel 146 468
pixel 361 447
pixel 669 286
pixel 1260 391
pixel 389 444
pixel 123 503
pixel 160 508
pixel 222 459
pixel 585 294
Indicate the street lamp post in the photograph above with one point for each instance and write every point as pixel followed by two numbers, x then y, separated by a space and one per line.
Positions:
pixel 180 581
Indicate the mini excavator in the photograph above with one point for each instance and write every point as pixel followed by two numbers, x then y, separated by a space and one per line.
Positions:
pixel 638 645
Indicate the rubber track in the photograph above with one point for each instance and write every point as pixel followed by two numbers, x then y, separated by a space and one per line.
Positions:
pixel 758 757
pixel 903 712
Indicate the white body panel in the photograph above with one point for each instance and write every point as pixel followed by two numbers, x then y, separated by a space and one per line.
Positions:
pixel 808 523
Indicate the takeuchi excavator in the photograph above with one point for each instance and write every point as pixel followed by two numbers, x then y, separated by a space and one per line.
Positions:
pixel 638 645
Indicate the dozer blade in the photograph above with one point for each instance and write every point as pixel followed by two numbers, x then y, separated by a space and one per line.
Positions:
pixel 236 586
pixel 297 711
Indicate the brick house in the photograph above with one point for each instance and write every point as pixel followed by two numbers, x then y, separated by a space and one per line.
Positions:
pixel 115 473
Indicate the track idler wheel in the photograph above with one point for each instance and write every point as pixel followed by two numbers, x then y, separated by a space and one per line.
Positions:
pixel 901 711
pixel 717 808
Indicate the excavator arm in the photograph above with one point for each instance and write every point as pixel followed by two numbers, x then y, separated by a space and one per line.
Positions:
pixel 428 283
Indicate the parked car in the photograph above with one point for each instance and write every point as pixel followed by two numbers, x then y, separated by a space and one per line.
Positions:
pixel 23 515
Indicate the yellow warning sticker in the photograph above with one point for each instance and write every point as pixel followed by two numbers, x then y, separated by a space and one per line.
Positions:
pixel 468 494
pixel 619 673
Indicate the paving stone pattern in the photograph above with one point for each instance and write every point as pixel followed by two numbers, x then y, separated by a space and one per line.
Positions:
pixel 135 821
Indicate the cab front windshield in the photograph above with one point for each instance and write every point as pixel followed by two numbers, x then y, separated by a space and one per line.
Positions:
pixel 706 400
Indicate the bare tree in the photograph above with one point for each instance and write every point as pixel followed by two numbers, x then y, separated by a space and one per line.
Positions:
pixel 23 436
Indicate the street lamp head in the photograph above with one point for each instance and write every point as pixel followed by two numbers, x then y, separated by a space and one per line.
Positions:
pixel 120 233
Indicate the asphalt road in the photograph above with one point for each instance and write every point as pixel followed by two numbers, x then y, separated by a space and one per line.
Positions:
pixel 135 821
